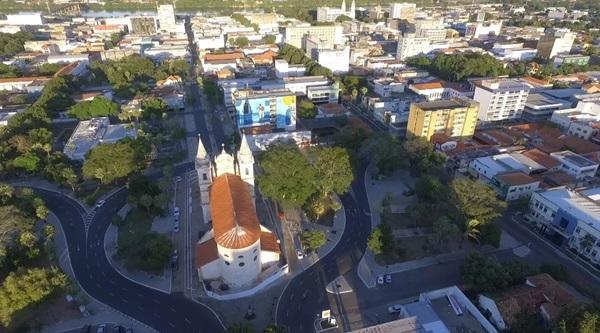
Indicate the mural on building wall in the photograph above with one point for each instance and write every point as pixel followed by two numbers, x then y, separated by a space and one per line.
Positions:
pixel 279 111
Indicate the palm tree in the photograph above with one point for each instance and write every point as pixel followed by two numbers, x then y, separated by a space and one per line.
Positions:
pixel 586 243
pixel 363 92
pixel 471 230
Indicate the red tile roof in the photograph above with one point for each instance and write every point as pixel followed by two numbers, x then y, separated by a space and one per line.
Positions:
pixel 542 158
pixel 224 56
pixel 206 252
pixel 235 223
pixel 515 178
pixel 268 242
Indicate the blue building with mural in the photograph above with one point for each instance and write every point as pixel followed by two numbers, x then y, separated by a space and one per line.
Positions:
pixel 272 108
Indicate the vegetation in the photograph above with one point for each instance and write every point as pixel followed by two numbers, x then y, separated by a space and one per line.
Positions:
pixel 486 273
pixel 306 109
pixel 26 288
pixel 11 44
pixel 240 41
pixel 98 107
pixel 48 69
pixel 579 319
pixel 269 39
pixel 384 152
pixel 475 201
pixel 9 71
pixel 114 40
pixel 212 92
pixel 313 240
pixel 459 67
pixel 110 162
pixel 294 55
pixel 154 108
pixel 148 196
pixel 244 21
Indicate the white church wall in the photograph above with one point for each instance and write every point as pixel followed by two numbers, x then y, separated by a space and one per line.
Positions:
pixel 244 264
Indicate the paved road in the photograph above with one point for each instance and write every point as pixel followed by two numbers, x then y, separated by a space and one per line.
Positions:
pixel 305 295
pixel 163 312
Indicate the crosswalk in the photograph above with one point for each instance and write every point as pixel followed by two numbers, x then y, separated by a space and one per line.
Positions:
pixel 87 221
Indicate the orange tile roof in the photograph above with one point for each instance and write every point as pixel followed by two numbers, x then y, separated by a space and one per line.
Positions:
pixel 206 252
pixel 23 79
pixel 536 81
pixel 541 158
pixel 235 223
pixel 515 178
pixel 67 69
pixel 268 242
pixel 223 56
pixel 428 85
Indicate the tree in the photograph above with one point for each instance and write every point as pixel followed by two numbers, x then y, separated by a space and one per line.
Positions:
pixel 98 107
pixel 429 188
pixel 288 177
pixel 579 319
pixel 333 169
pixel 109 162
pixel 443 230
pixel 269 39
pixel 23 289
pixel 41 211
pixel 154 108
pixel 306 109
pixel 385 152
pixel 484 273
pixel 48 69
pixel 240 328
pixel 313 240
pixel 421 155
pixel 241 41
pixel 475 200
pixel 154 252
pixel 343 18
pixel 28 162
pixel 375 241
pixel 354 94
pixel 471 229
pixel 13 222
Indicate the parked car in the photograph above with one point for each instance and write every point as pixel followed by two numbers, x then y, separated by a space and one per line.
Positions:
pixel 100 203
pixel 176 226
pixel 380 279
pixel 388 278
pixel 176 212
pixel 178 178
pixel 101 329
pixel 395 308
pixel 299 254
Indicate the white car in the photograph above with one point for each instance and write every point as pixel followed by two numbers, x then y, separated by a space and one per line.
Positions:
pixel 178 178
pixel 100 203
pixel 299 254
pixel 176 212
pixel 388 278
pixel 380 279
pixel 395 308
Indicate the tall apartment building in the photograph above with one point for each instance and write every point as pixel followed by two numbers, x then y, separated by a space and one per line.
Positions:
pixel 483 29
pixel 501 99
pixel 330 35
pixel 432 28
pixel 166 18
pixel 329 14
pixel 555 41
pixel 455 117
pixel 410 45
pixel 403 11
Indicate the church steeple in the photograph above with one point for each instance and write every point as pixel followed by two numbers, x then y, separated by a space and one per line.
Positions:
pixel 245 164
pixel 352 12
pixel 343 5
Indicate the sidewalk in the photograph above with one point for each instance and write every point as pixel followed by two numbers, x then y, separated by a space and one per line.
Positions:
pixel 158 282
pixel 101 313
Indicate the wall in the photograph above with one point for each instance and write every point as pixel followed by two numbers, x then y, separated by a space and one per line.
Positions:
pixel 249 292
pixel 258 111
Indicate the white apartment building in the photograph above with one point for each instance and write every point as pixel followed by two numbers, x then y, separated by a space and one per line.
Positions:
pixel 91 133
pixel 23 19
pixel 284 69
pixel 555 41
pixel 166 18
pixel 330 35
pixel 410 45
pixel 337 60
pixel 386 87
pixel 329 14
pixel 324 94
pixel 575 164
pixel 501 99
pixel 483 30
pixel 403 11
pixel 432 28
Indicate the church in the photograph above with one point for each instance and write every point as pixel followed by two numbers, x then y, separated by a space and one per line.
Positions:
pixel 237 248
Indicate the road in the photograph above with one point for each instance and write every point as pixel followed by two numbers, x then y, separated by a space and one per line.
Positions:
pixel 163 312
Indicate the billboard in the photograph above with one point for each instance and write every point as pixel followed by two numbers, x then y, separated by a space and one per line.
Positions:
pixel 277 110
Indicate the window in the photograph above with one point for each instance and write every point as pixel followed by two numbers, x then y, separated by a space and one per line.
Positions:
pixel 255 250
pixel 247 172
pixel 226 255
pixel 204 177
pixel 241 264
pixel 240 257
pixel 227 263
pixel 255 257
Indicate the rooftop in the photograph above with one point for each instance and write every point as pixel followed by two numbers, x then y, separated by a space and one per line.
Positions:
pixel 573 158
pixel 443 104
pixel 583 204
pixel 515 178
pixel 501 85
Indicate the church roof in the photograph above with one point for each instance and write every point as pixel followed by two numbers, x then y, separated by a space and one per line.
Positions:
pixel 235 223
pixel 206 252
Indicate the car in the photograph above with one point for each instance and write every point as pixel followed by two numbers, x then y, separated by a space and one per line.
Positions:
pixel 176 226
pixel 178 178
pixel 299 254
pixel 100 203
pixel 101 328
pixel 380 279
pixel 176 212
pixel 388 278
pixel 395 308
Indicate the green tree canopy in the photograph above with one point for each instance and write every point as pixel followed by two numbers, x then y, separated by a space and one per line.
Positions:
pixel 110 162
pixel 154 107
pixel 306 109
pixel 269 39
pixel 48 69
pixel 385 152
pixel 288 177
pixel 11 44
pixel 459 67
pixel 475 201
pixel 579 319
pixel 375 241
pixel 313 240
pixel 422 156
pixel 98 107
pixel 334 171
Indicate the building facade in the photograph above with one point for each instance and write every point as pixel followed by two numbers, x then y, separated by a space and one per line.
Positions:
pixel 330 35
pixel 329 14
pixel 403 11
pixel 501 99
pixel 555 41
pixel 455 117
pixel 275 108
pixel 410 45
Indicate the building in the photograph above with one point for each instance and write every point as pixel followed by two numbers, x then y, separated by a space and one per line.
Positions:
pixel 337 60
pixel 237 249
pixel 166 18
pixel 91 133
pixel 403 11
pixel 330 35
pixel 483 30
pixel 568 216
pixel 21 83
pixel 501 99
pixel 575 164
pixel 432 28
pixel 514 185
pixel 487 167
pixel 143 25
pixel 284 69
pixel 575 59
pixel 554 42
pixel 455 117
pixel 23 19
pixel 327 94
pixel 275 108
pixel 435 90
pixel 539 107
pixel 410 45
pixel 386 87
pixel 329 14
